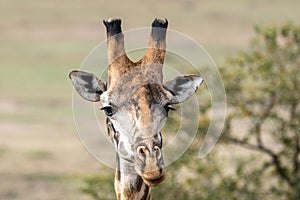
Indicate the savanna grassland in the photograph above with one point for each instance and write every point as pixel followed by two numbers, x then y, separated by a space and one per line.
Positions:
pixel 41 156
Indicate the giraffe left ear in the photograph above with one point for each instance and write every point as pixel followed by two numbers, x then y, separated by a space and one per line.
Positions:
pixel 87 85
pixel 183 87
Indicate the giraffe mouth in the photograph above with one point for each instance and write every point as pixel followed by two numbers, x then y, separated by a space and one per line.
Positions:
pixel 154 181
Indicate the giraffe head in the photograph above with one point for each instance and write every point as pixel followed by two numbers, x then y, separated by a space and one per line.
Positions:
pixel 136 101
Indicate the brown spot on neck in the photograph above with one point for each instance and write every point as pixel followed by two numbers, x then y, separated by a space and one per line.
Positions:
pixel 142 194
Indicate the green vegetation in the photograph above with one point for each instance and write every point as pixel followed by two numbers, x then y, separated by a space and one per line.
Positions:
pixel 264 90
pixel 100 187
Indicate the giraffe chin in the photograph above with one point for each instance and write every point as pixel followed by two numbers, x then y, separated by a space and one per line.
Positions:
pixel 155 181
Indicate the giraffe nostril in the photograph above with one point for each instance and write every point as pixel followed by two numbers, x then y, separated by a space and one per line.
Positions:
pixel 157 152
pixel 142 151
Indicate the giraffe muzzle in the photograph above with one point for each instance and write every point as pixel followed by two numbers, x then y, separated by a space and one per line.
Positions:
pixel 149 164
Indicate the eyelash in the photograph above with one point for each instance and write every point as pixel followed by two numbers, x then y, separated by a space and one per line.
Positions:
pixel 108 110
pixel 168 108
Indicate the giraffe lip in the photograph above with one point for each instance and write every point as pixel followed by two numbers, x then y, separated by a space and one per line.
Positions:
pixel 155 181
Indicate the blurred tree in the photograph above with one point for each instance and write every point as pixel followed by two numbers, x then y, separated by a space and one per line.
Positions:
pixel 263 90
pixel 263 94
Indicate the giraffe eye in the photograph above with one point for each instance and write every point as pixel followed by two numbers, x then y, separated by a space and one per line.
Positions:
pixel 109 110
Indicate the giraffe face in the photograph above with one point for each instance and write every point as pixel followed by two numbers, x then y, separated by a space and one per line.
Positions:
pixel 138 117
pixel 136 108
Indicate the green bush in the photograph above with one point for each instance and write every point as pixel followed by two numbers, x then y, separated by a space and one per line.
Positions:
pixel 263 90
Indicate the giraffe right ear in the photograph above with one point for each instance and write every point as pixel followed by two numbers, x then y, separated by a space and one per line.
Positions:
pixel 87 85
pixel 183 87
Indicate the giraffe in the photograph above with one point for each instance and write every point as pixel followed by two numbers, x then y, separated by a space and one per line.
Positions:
pixel 136 103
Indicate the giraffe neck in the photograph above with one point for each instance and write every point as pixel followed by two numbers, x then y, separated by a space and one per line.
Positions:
pixel 128 185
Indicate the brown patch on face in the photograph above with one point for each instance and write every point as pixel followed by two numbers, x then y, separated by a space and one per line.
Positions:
pixel 142 106
pixel 142 100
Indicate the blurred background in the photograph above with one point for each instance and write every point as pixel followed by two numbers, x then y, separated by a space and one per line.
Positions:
pixel 41 156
